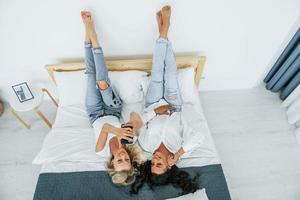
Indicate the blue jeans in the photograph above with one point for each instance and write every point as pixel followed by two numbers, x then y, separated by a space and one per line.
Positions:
pixel 99 102
pixel 164 83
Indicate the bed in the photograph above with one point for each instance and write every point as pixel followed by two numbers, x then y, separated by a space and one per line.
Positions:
pixel 70 169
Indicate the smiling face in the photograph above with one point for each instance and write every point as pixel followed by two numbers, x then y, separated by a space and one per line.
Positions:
pixel 121 161
pixel 159 163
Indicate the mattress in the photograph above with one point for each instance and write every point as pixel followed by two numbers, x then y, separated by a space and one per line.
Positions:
pixel 72 170
pixel 70 145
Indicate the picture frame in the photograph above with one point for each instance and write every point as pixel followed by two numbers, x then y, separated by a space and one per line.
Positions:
pixel 23 92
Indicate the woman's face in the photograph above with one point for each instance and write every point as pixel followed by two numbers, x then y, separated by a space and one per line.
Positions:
pixel 159 163
pixel 121 161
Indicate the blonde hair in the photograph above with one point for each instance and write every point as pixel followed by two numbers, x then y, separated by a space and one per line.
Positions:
pixel 126 177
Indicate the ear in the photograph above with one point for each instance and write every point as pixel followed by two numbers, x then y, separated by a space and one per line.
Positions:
pixel 169 165
pixel 169 159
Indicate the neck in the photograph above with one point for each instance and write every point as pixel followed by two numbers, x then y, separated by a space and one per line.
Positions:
pixel 163 149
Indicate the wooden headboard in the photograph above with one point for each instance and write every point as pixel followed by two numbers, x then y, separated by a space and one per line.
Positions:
pixel 132 64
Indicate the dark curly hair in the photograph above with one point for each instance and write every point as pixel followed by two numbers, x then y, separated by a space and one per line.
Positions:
pixel 174 176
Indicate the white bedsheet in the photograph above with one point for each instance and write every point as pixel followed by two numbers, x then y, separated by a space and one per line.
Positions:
pixel 70 145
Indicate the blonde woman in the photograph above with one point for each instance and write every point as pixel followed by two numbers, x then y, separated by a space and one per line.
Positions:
pixel 103 107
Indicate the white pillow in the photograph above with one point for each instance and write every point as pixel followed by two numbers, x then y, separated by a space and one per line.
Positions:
pixel 188 89
pixel 72 86
pixel 129 85
pixel 187 85
pixel 199 194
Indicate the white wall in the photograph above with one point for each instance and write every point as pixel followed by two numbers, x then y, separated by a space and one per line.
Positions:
pixel 239 37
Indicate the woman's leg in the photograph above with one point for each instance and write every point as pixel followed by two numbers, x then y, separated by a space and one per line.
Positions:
pixel 171 87
pixel 164 83
pixel 111 100
pixel 172 92
pixel 93 101
pixel 155 88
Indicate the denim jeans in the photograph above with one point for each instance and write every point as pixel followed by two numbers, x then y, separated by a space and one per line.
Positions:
pixel 99 102
pixel 164 83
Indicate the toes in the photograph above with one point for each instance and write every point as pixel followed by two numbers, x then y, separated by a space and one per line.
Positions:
pixel 158 16
pixel 166 8
pixel 86 14
pixel 82 13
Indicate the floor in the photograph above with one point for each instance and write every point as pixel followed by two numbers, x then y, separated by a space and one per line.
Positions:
pixel 257 146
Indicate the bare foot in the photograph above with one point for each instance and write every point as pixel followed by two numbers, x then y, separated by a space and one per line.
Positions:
pixel 159 20
pixel 88 22
pixel 89 28
pixel 85 15
pixel 166 14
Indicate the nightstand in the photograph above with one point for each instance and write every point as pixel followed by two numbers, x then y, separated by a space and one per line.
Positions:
pixel 32 104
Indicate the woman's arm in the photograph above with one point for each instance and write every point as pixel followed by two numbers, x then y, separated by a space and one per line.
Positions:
pixel 103 137
pixel 172 160
pixel 194 128
pixel 136 120
pixel 121 133
pixel 193 137
pixel 160 110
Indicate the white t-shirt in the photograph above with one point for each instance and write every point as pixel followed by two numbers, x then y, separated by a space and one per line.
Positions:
pixel 98 124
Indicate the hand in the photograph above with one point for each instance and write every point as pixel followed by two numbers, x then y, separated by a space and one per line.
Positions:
pixel 135 121
pixel 172 159
pixel 123 133
pixel 163 110
pixel 133 129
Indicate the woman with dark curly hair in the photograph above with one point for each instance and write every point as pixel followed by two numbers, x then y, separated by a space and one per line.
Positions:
pixel 166 129
pixel 178 178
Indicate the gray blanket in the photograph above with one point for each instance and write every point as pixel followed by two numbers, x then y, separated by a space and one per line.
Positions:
pixel 97 185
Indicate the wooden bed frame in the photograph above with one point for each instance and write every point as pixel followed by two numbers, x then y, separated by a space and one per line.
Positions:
pixel 132 64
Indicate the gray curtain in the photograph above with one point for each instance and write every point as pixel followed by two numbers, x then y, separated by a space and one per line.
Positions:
pixel 284 76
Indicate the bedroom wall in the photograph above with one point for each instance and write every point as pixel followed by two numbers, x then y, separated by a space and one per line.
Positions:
pixel 239 38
